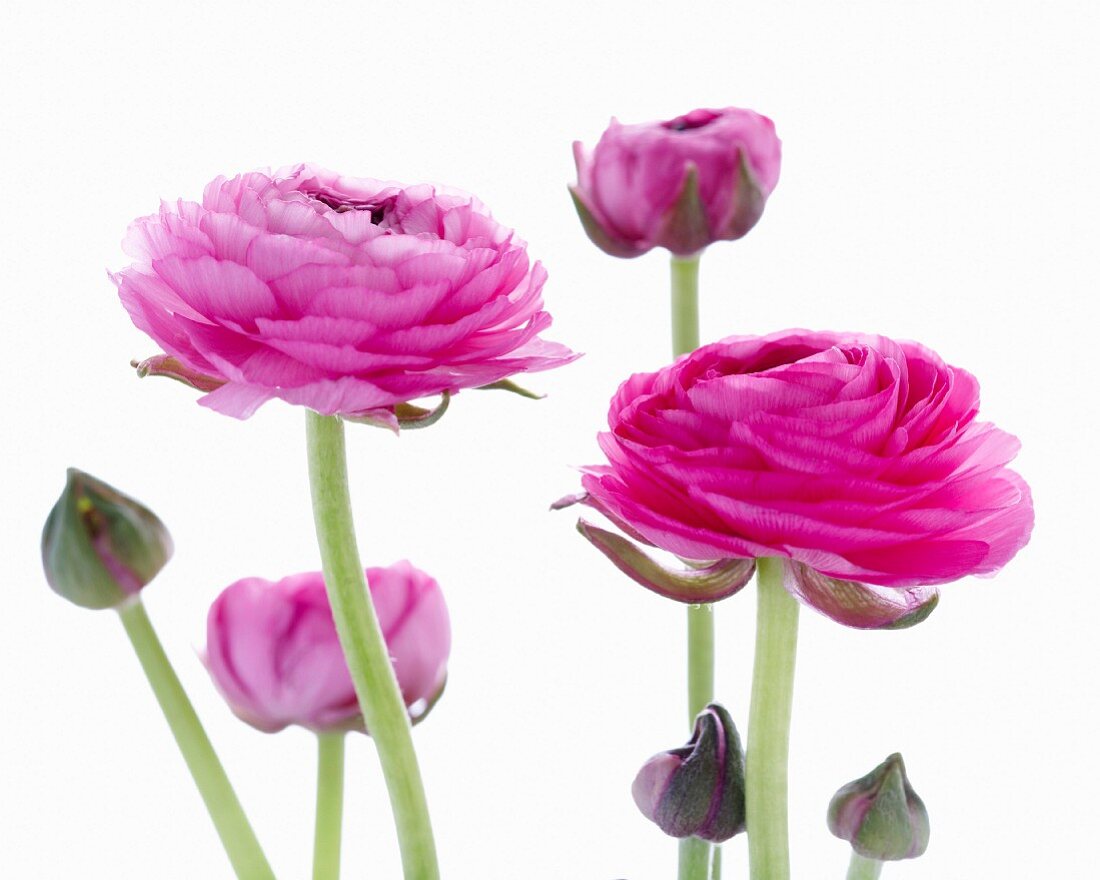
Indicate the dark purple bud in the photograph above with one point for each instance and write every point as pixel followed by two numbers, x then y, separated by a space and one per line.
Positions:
pixel 697 790
pixel 100 546
pixel 880 814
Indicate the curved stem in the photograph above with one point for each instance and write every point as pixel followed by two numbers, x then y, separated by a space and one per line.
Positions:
pixel 695 854
pixel 330 805
pixel 863 869
pixel 221 801
pixel 364 646
pixel 770 725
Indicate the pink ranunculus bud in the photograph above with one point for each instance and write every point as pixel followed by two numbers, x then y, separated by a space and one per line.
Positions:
pixel 697 790
pixel 880 815
pixel 345 295
pixel 680 184
pixel 273 651
pixel 100 547
pixel 858 460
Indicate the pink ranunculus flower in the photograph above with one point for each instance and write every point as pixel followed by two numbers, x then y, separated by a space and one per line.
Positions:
pixel 680 184
pixel 272 648
pixel 345 295
pixel 857 459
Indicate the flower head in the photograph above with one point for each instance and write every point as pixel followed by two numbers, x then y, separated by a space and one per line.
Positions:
pixel 680 184
pixel 273 651
pixel 880 814
pixel 100 547
pixel 857 459
pixel 697 790
pixel 349 296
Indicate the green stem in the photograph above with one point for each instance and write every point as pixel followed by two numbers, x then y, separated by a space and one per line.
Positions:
pixel 695 854
pixel 685 304
pixel 700 620
pixel 770 725
pixel 364 646
pixel 863 869
pixel 225 810
pixel 330 806
pixel 695 859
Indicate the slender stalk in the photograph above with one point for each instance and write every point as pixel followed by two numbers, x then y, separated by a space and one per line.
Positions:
pixel 225 810
pixel 695 854
pixel 770 725
pixel 860 868
pixel 695 859
pixel 330 806
pixel 700 619
pixel 364 646
pixel 685 304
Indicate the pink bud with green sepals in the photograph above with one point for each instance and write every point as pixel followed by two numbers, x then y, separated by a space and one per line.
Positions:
pixel 681 183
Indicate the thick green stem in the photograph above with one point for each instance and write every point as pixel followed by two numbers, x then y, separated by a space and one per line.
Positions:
pixel 770 725
pixel 225 810
pixel 364 646
pixel 695 854
pixel 330 806
pixel 860 868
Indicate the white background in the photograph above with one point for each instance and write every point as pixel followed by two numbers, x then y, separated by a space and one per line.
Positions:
pixel 939 183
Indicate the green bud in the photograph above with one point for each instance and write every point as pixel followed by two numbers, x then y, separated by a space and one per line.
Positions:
pixel 99 546
pixel 880 814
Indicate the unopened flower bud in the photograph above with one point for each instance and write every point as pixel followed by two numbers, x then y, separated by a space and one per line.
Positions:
pixel 680 184
pixel 100 546
pixel 273 651
pixel 881 815
pixel 697 790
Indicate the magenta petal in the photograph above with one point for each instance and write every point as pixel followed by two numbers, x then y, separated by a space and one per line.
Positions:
pixel 861 606
pixel 587 499
pixel 709 583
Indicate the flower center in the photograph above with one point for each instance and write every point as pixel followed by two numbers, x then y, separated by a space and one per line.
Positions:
pixel 340 204
pixel 691 121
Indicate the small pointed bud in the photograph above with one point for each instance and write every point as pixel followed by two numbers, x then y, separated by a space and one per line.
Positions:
pixel 697 790
pixel 880 814
pixel 99 546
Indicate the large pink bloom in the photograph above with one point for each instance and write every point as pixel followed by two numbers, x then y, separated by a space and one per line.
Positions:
pixel 680 183
pixel 273 651
pixel 856 458
pixel 347 296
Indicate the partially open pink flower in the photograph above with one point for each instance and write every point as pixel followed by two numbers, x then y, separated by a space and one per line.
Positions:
pixel 857 459
pixel 680 184
pixel 272 648
pixel 344 295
